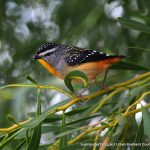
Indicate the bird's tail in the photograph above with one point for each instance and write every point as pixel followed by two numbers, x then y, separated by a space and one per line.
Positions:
pixel 110 60
pixel 114 59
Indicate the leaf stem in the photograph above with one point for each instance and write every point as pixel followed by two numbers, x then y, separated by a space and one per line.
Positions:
pixel 37 86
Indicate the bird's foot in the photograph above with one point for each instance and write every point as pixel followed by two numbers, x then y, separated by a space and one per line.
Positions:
pixel 80 96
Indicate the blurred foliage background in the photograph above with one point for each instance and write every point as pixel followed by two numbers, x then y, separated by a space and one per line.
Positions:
pixel 93 24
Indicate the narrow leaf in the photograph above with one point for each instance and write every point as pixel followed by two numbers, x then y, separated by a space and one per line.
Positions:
pixel 20 144
pixel 76 74
pixel 11 119
pixel 63 139
pixel 139 48
pixel 7 140
pixel 64 133
pixel 124 65
pixel 28 77
pixel 141 6
pixel 146 120
pixel 35 139
pixel 36 120
pixel 27 136
pixel 139 137
pixel 132 24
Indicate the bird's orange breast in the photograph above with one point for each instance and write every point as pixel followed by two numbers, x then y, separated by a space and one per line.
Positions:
pixel 48 67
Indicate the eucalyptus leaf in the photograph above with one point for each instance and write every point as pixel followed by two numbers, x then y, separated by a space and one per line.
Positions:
pixel 11 119
pixel 141 6
pixel 75 75
pixel 35 139
pixel 124 65
pixel 65 133
pixel 146 120
pixel 139 137
pixel 63 139
pixel 20 145
pixel 132 24
pixel 36 120
pixel 28 77
pixel 7 140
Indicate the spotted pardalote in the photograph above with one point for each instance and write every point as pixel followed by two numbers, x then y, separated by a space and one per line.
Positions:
pixel 60 59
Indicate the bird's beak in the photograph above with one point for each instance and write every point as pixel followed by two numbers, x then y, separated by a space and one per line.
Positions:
pixel 36 57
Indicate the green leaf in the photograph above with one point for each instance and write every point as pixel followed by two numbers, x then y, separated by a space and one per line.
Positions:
pixel 44 129
pixel 139 137
pixel 28 77
pixel 27 134
pixel 77 111
pixel 67 114
pixel 87 117
pixel 3 138
pixel 141 6
pixel 126 100
pixel 63 139
pixel 7 140
pixel 64 133
pixel 56 117
pixel 146 120
pixel 139 48
pixel 35 121
pixel 131 24
pixel 50 128
pixel 124 65
pixel 20 144
pixel 76 74
pixel 38 104
pixel 35 139
pixel 119 129
pixel 11 119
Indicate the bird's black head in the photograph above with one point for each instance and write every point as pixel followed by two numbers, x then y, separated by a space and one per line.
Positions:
pixel 45 50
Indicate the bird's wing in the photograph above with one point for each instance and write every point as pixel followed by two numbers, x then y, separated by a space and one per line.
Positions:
pixel 77 56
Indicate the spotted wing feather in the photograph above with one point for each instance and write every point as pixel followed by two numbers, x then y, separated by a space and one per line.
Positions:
pixel 78 56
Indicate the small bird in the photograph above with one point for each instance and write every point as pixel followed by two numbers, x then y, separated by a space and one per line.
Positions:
pixel 60 59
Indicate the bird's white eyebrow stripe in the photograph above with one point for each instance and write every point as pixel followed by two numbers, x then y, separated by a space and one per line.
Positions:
pixel 47 51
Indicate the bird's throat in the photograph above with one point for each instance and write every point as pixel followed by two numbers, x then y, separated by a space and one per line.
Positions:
pixel 48 67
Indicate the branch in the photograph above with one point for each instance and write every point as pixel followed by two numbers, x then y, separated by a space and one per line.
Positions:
pixel 127 84
pixel 37 86
pixel 134 82
pixel 13 127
